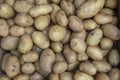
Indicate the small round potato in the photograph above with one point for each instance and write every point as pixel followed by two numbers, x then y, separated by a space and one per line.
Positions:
pixel 57 46
pixel 82 56
pixel 78 3
pixel 101 76
pixel 11 22
pixel 111 4
pixel 73 66
pixel 29 30
pixel 21 77
pixel 4 77
pixel 53 76
pixel 36 76
pixel 107 11
pixel 67 37
pixel 59 57
pixel 66 76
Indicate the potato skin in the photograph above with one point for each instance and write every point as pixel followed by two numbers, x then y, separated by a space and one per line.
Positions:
pixel 101 76
pixel 4 77
pixel 59 57
pixel 57 46
pixel 53 76
pixel 29 30
pixel 66 76
pixel 111 4
pixel 40 2
pixel 82 56
pixel 73 66
pixel 67 37
pixel 22 77
pixel 11 22
pixel 10 2
pixel 36 76
pixel 78 3
pixel 107 11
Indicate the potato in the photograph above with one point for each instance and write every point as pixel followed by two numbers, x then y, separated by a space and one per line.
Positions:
pixel 57 46
pixel 106 43
pixel 40 40
pixel 102 66
pixel 88 68
pixel 25 44
pixel 78 45
pixel 114 74
pixel 6 11
pixel 57 30
pixel 11 22
pixel 111 4
pixel 16 30
pixel 40 2
pixel 94 37
pixel 102 18
pixel 29 30
pixel 24 20
pixel 47 60
pixel 75 24
pixel 30 57
pixel 69 54
pixel 21 77
pixel 107 11
pixel 78 3
pixel 59 57
pixel 115 20
pixel 56 1
pixel 61 18
pixel 10 2
pixel 66 76
pixel 36 76
pixel 9 42
pixel 28 68
pixel 114 57
pixel 102 76
pixel 90 24
pixel 82 76
pixel 12 67
pixel 82 56
pixel 67 37
pixel 59 67
pixel 73 66
pixel 4 77
pixel 4 28
pixel 40 10
pixel 111 31
pixel 67 7
pixel 53 76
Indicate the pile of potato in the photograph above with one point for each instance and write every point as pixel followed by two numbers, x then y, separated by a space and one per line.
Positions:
pixel 59 40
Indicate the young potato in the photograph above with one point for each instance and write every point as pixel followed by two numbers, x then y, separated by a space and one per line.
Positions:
pixel 22 6
pixel 16 30
pixel 56 1
pixel 57 46
pixel 11 22
pixel 24 20
pixel 60 67
pixel 115 20
pixel 73 66
pixel 82 76
pixel 107 11
pixel 88 68
pixel 21 77
pixel 28 68
pixel 106 43
pixel 6 11
pixel 53 76
pixel 36 76
pixel 90 24
pixel 82 56
pixel 25 44
pixel 47 60
pixel 61 18
pixel 90 8
pixel 101 76
pixel 111 31
pixel 94 37
pixel 29 30
pixel 75 24
pixel 40 10
pixel 102 66
pixel 69 54
pixel 40 2
pixel 114 57
pixel 40 40
pixel 78 3
pixel 78 45
pixel 111 4
pixel 67 7
pixel 4 28
pixel 4 77
pixel 42 22
pixel 66 76
pixel 9 42
pixel 67 37
pixel 12 67
pixel 57 30
pixel 30 57
pixel 10 2
pixel 59 57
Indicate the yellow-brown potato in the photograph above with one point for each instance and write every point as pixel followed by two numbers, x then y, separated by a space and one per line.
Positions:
pixel 4 77
pixel 73 66
pixel 75 24
pixel 115 20
pixel 111 4
pixel 69 54
pixel 82 76
pixel 47 60
pixel 24 20
pixel 11 22
pixel 102 66
pixel 53 76
pixel 67 37
pixel 30 57
pixel 101 76
pixel 29 30
pixel 88 68
pixel 56 1
pixel 4 28
pixel 36 76
pixel 78 45
pixel 6 11
pixel 10 2
pixel 67 7
pixel 25 44
pixel 78 3
pixel 59 57
pixel 40 40
pixel 12 67
pixel 40 2
pixel 90 8
pixel 42 22
pixel 106 43
pixel 94 37
pixel 57 46
pixel 9 42
pixel 107 11
pixel 114 57
pixel 90 24
pixel 82 56
pixel 57 33
pixel 28 68
pixel 66 76
pixel 16 30
pixel 40 10
pixel 59 67
pixel 111 31
pixel 21 77
pixel 103 18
